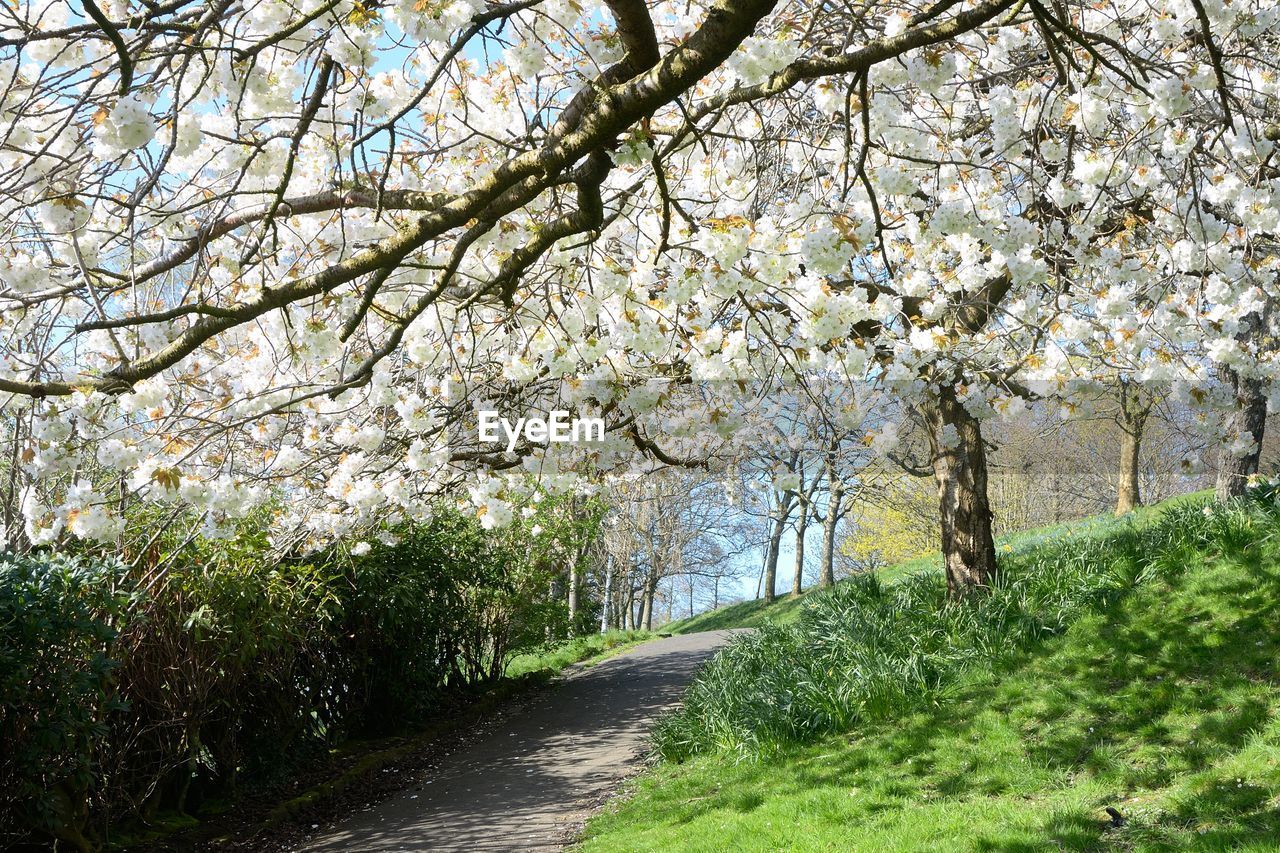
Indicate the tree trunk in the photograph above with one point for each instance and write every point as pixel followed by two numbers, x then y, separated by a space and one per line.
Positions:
pixel 10 499
pixel 771 573
pixel 960 470
pixel 771 563
pixel 1128 496
pixel 1246 423
pixel 802 524
pixel 573 597
pixel 646 611
pixel 828 576
pixel 1135 406
pixel 606 602
pixel 782 513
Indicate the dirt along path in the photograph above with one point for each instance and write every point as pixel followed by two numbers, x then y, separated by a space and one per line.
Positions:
pixel 529 785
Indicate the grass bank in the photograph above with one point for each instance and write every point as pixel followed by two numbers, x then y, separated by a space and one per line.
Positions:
pixel 786 609
pixel 744 614
pixel 1160 701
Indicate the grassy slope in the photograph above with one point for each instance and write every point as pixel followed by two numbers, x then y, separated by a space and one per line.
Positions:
pixel 786 608
pixel 1164 707
pixel 744 614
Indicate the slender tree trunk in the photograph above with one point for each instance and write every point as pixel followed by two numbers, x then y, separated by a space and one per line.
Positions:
pixel 1245 426
pixel 960 470
pixel 646 612
pixel 780 517
pixel 573 592
pixel 606 601
pixel 771 562
pixel 650 588
pixel 1128 496
pixel 10 498
pixel 1135 407
pixel 802 524
pixel 828 576
pixel 771 574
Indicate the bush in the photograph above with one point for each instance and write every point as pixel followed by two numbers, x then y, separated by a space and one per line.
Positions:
pixel 227 670
pixel 415 634
pixel 128 691
pixel 867 649
pixel 59 619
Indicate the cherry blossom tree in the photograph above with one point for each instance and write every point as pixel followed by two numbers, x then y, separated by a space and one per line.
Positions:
pixel 286 249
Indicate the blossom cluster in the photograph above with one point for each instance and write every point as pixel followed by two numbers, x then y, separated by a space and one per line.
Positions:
pixel 957 209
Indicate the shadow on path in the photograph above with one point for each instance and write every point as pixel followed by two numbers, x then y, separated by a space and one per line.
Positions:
pixel 530 784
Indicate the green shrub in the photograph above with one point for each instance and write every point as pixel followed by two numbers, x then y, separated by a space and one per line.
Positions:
pixel 127 691
pixel 227 671
pixel 59 619
pixel 867 649
pixel 441 610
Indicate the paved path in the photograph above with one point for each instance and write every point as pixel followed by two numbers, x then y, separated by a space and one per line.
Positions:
pixel 530 784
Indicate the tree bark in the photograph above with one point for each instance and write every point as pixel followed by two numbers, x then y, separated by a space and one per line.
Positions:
pixel 646 613
pixel 1128 496
pixel 10 499
pixel 960 471
pixel 802 524
pixel 606 597
pixel 573 596
pixel 828 576
pixel 1135 406
pixel 775 545
pixel 771 565
pixel 1247 421
pixel 628 599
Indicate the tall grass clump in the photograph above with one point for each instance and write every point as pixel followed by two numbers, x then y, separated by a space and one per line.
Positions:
pixel 867 649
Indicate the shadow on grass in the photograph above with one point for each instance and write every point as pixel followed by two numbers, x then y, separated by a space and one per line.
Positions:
pixel 1062 831
pixel 1145 697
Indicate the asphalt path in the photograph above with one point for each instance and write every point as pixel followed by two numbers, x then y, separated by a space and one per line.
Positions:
pixel 530 784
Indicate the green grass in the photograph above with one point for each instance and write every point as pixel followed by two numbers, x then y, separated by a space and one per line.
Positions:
pixel 744 614
pixel 587 649
pixel 1163 704
pixel 786 609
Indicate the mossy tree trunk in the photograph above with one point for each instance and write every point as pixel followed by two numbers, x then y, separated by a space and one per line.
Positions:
pixel 1245 428
pixel 960 471
pixel 1128 494
pixel 1135 408
pixel 829 522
